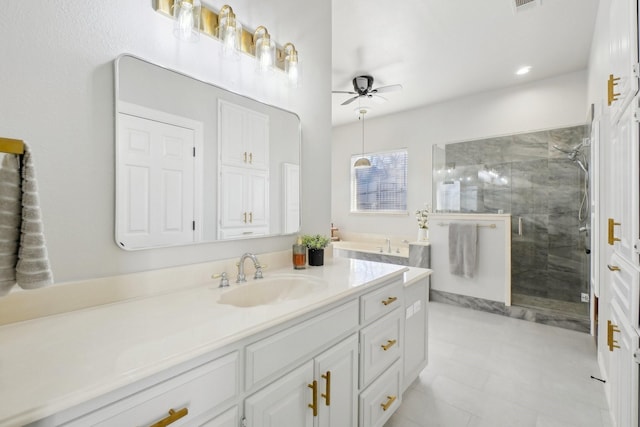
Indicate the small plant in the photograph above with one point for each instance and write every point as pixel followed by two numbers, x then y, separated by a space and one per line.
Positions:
pixel 422 215
pixel 315 242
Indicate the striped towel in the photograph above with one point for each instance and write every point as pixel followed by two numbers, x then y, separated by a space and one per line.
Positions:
pixel 22 240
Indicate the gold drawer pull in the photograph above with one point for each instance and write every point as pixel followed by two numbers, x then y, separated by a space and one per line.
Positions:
pixel 251 158
pixel 314 386
pixel 611 95
pixel 390 400
pixel 388 345
pixel 172 418
pixel 251 217
pixel 389 300
pixel 613 267
pixel 327 396
pixel 611 329
pixel 245 157
pixel 611 238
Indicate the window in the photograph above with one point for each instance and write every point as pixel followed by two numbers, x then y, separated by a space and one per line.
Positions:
pixel 383 186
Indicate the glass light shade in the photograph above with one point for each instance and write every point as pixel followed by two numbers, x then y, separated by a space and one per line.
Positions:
pixel 230 33
pixel 187 20
pixel 265 53
pixel 362 163
pixel 293 69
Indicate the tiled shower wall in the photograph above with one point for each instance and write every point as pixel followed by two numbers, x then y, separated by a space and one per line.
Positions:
pixel 524 175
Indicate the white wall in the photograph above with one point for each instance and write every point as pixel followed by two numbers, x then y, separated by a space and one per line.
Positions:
pixel 56 91
pixel 552 103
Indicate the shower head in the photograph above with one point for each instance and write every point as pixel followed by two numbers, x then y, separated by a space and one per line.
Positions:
pixel 572 152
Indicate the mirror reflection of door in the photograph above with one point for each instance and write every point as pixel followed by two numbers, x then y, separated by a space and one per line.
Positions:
pixel 156 180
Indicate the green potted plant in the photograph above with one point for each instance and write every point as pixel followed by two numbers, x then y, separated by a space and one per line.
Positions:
pixel 315 245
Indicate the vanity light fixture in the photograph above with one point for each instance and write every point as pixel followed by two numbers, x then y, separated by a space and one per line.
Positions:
pixel 187 20
pixel 192 18
pixel 264 48
pixel 229 30
pixel 362 162
pixel 291 64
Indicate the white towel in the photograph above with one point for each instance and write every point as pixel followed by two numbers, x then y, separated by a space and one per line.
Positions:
pixel 22 244
pixel 9 220
pixel 463 243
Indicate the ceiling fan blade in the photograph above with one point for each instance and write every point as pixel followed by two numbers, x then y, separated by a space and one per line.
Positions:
pixel 390 88
pixel 343 91
pixel 350 100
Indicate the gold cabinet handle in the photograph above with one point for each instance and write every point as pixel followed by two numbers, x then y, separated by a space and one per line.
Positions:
pixel 327 395
pixel 611 84
pixel 611 329
pixel 613 267
pixel 250 158
pixel 244 215
pixel 611 238
pixel 389 402
pixel 171 418
pixel 388 345
pixel 314 406
pixel 389 300
pixel 251 217
pixel 245 157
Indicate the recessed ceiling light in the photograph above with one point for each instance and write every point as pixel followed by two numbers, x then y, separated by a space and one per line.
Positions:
pixel 523 70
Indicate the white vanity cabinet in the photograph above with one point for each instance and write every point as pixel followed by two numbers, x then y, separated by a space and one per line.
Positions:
pixel 416 320
pixel 320 393
pixel 380 354
pixel 337 363
pixel 189 398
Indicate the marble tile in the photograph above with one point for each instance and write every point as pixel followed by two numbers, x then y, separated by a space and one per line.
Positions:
pixel 419 255
pixel 527 146
pixel 378 257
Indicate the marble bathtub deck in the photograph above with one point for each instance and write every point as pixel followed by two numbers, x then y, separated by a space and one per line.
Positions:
pixel 544 316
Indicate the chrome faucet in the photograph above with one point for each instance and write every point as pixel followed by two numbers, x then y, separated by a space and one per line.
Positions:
pixel 388 241
pixel 241 277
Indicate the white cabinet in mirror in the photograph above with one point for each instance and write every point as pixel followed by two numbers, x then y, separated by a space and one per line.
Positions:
pixel 197 163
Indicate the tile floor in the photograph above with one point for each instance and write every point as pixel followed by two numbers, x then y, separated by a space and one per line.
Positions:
pixel 487 370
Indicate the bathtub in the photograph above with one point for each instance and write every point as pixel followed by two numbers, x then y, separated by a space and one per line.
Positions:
pixel 372 251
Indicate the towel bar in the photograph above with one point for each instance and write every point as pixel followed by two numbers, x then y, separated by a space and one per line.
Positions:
pixel 11 146
pixel 445 224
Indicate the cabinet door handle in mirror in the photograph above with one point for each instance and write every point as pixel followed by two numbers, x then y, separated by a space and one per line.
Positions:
pixel 245 157
pixel 389 300
pixel 251 217
pixel 327 395
pixel 613 267
pixel 250 158
pixel 388 345
pixel 172 418
pixel 388 403
pixel 314 398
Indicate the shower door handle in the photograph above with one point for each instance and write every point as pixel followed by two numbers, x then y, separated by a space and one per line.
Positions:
pixel 519 226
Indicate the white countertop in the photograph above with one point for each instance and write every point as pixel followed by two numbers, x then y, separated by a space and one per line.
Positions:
pixel 52 363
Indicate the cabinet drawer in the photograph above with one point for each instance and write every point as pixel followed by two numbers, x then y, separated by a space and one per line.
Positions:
pixel 381 346
pixel 381 301
pixel 381 399
pixel 227 419
pixel 283 349
pixel 199 390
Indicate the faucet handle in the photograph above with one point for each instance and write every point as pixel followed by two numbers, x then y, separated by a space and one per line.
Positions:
pixel 224 280
pixel 259 268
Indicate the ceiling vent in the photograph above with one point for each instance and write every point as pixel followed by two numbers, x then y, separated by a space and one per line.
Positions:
pixel 522 5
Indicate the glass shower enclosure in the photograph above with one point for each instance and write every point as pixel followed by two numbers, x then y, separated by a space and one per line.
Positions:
pixel 541 179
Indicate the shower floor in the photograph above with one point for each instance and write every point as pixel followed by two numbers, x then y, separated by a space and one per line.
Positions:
pixel 578 309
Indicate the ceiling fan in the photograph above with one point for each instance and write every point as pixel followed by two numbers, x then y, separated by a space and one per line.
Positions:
pixel 363 87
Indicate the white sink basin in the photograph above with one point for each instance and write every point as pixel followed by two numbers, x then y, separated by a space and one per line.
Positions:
pixel 271 290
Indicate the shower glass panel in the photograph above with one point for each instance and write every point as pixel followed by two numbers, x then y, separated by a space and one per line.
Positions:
pixel 539 178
